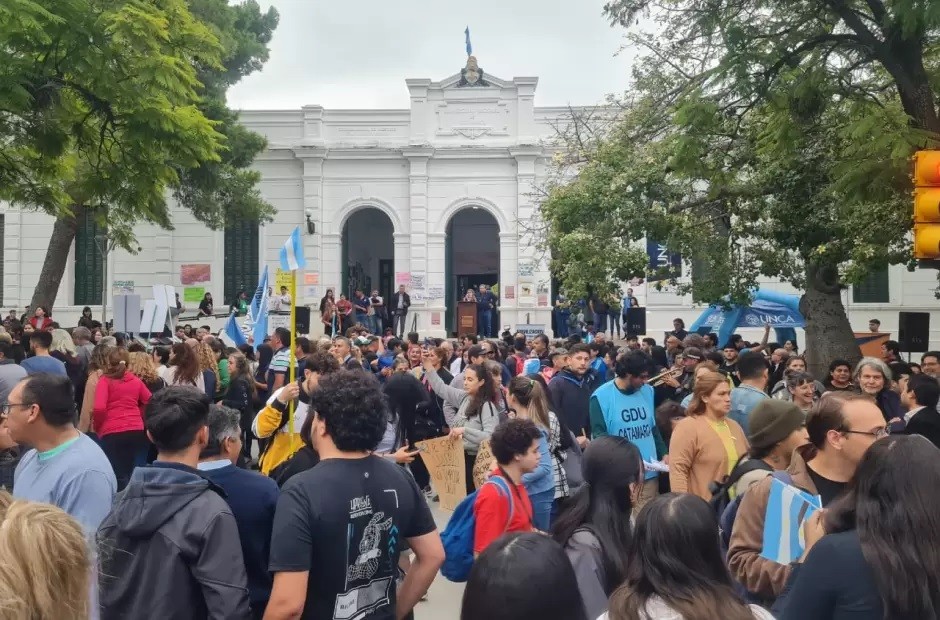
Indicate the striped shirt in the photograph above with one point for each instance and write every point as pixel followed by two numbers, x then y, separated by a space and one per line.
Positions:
pixel 280 365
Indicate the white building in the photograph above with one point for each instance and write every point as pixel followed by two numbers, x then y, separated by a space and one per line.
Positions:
pixel 437 196
pixel 431 196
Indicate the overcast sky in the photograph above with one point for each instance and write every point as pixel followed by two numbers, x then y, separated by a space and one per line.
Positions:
pixel 358 53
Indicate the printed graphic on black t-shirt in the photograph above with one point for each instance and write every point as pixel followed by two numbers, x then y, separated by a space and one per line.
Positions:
pixel 343 521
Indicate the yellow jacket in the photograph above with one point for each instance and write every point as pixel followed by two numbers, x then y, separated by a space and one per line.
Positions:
pixel 271 421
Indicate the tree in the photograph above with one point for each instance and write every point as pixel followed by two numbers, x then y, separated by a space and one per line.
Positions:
pixel 108 106
pixel 767 139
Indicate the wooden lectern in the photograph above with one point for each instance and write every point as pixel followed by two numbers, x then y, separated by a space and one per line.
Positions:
pixel 466 318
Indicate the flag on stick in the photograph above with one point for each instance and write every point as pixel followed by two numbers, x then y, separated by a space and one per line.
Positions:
pixel 233 332
pixel 292 259
pixel 788 508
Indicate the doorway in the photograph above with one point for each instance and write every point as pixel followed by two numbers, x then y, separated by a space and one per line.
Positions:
pixel 471 259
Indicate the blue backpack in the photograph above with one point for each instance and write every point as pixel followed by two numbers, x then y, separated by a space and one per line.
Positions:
pixel 458 535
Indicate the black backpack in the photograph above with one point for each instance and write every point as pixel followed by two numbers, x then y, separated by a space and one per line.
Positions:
pixel 720 490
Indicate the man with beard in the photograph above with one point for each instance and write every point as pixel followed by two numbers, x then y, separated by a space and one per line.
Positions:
pixel 624 408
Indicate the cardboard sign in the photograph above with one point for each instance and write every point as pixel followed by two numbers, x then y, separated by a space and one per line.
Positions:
pixel 444 459
pixel 483 465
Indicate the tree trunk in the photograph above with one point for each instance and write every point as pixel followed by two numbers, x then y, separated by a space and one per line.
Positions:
pixel 53 266
pixel 828 333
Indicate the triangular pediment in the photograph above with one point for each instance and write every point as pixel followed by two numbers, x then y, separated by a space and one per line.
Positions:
pixel 454 81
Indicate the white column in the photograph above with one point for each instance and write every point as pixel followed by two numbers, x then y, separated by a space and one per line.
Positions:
pixel 529 257
pixel 437 263
pixel 418 215
pixel 312 159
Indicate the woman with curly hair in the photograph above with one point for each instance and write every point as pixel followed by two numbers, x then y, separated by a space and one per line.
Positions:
pixel 96 367
pixel 209 368
pixel 143 366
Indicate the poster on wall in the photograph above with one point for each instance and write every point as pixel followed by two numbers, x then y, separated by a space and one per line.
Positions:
pixel 510 292
pixel 311 292
pixel 195 273
pixel 417 280
pixel 193 294
pixel 417 287
pixel 281 278
pixel 311 278
pixel 435 318
pixel 435 292
pixel 543 300
pixel 122 287
pixel 403 277
pixel 526 269
pixel 526 294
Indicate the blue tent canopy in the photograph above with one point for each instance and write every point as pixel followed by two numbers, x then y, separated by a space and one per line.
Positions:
pixel 779 309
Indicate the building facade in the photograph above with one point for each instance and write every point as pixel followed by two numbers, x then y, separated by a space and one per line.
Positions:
pixel 439 196
pixel 436 197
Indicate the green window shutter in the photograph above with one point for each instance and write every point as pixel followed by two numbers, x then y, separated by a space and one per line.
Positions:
pixel 874 289
pixel 89 264
pixel 242 241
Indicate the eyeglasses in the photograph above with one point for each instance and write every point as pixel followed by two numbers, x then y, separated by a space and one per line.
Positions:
pixel 8 407
pixel 878 433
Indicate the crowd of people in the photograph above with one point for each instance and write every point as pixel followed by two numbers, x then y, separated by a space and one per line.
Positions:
pixel 628 480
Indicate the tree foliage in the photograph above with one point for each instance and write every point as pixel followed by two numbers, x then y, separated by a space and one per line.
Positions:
pixel 109 106
pixel 763 139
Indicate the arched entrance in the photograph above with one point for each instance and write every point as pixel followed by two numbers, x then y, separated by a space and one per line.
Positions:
pixel 368 253
pixel 472 258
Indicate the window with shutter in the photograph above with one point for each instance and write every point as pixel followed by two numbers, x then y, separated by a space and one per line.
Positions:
pixel 874 289
pixel 89 264
pixel 242 240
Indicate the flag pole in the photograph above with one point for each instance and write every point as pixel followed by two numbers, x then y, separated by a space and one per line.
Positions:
pixel 292 369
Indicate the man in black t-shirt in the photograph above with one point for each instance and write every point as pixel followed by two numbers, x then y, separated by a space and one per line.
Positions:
pixel 339 527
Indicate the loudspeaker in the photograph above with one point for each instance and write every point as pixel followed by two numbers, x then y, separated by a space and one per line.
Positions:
pixel 302 320
pixel 914 331
pixel 636 322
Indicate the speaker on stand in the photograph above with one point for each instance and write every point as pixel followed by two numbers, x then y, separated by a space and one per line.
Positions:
pixel 636 322
pixel 914 331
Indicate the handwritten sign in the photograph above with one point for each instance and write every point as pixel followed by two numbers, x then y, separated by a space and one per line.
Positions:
pixel 483 465
pixel 444 459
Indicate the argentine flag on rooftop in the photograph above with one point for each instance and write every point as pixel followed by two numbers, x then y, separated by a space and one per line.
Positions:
pixel 292 254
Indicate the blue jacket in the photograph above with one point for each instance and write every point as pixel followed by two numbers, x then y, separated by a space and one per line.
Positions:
pixel 541 479
pixel 571 396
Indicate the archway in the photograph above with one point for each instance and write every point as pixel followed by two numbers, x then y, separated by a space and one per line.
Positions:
pixel 472 258
pixel 368 253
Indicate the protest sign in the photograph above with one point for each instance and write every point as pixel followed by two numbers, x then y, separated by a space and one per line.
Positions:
pixel 444 459
pixel 788 508
pixel 483 465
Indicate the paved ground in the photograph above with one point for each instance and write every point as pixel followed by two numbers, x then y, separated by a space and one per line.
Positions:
pixel 444 597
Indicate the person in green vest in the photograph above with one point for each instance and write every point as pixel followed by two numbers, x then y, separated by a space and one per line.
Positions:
pixel 240 305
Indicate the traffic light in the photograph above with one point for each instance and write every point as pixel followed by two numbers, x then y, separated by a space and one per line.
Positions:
pixel 927 205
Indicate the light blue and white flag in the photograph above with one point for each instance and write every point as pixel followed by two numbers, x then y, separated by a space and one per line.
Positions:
pixel 469 47
pixel 256 323
pixel 254 309
pixel 233 332
pixel 292 254
pixel 788 508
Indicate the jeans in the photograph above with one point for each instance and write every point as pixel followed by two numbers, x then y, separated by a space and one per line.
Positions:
pixel 612 316
pixel 486 323
pixel 542 509
pixel 600 322
pixel 363 319
pixel 561 321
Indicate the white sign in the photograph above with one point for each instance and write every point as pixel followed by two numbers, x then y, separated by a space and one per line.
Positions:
pixel 435 292
pixel 530 330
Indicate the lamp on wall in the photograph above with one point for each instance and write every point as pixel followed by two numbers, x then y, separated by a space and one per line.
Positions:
pixel 311 225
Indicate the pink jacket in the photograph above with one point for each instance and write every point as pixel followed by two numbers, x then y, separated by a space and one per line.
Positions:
pixel 119 404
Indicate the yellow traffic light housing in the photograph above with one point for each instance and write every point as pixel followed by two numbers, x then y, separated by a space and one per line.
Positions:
pixel 927 205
